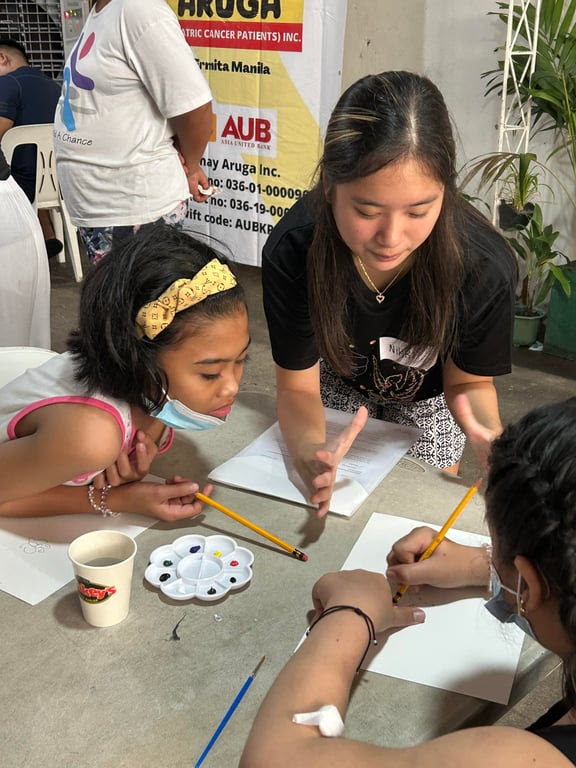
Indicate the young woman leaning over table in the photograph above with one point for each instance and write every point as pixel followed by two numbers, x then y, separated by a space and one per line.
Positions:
pixel 531 513
pixel 161 344
pixel 384 290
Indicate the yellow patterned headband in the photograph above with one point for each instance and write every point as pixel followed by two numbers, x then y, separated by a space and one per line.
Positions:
pixel 157 315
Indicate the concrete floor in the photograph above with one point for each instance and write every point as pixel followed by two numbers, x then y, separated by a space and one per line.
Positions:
pixel 536 378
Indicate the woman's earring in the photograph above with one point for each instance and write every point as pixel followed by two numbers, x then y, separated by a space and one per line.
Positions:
pixel 522 606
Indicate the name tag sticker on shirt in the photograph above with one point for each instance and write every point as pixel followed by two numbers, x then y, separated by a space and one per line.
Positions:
pixel 396 350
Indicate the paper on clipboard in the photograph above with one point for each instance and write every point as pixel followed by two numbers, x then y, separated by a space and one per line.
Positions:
pixel 265 467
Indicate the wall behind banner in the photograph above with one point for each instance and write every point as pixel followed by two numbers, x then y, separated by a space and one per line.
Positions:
pixel 453 42
pixel 274 67
pixel 450 41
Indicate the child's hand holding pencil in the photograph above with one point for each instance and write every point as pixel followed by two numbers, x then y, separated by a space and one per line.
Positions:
pixel 419 555
pixel 449 567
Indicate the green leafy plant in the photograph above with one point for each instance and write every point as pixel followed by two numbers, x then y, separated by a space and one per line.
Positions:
pixel 552 86
pixel 534 246
pixel 515 176
pixel 517 179
pixel 511 173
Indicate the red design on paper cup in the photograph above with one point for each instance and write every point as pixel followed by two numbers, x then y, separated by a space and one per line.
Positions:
pixel 94 593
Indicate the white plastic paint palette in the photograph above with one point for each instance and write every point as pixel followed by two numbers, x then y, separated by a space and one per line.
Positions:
pixel 202 567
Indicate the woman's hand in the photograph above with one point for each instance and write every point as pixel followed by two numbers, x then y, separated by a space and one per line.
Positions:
pixel 479 436
pixel 196 177
pixel 198 180
pixel 320 473
pixel 368 591
pixel 170 501
pixel 473 402
pixel 129 466
pixel 450 565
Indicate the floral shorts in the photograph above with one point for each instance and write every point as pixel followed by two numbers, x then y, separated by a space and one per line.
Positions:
pixel 442 441
pixel 99 240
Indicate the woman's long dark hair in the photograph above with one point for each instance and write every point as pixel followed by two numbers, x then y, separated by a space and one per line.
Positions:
pixel 379 121
pixel 109 355
pixel 531 506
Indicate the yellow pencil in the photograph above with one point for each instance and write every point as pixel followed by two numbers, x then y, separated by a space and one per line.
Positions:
pixel 440 535
pixel 253 527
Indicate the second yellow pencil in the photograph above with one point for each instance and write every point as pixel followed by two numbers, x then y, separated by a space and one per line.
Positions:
pixel 253 527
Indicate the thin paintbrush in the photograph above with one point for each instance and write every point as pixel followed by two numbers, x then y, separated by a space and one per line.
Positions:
pixel 240 695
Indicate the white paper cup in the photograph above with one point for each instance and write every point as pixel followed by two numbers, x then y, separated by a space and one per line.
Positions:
pixel 103 562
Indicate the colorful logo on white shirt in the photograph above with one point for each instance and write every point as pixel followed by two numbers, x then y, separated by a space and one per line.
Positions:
pixel 73 76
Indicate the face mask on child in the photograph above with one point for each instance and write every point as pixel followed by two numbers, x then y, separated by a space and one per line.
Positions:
pixel 178 416
pixel 499 608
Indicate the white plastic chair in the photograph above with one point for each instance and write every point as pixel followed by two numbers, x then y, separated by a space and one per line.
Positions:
pixel 16 360
pixel 48 193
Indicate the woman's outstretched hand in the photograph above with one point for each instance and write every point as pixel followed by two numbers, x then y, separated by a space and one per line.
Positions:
pixel 329 457
pixel 479 436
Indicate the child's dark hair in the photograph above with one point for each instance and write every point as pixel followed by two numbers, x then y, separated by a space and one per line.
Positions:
pixel 531 506
pixel 108 353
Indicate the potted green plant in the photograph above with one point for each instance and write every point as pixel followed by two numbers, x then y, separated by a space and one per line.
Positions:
pixel 534 246
pixel 516 177
pixel 551 93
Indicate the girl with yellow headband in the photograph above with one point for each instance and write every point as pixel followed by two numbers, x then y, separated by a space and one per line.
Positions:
pixel 161 343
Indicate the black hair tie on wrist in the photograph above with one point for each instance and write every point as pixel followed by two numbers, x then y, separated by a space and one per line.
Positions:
pixel 369 624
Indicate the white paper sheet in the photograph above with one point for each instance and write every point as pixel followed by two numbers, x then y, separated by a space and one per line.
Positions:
pixel 460 647
pixel 34 551
pixel 264 466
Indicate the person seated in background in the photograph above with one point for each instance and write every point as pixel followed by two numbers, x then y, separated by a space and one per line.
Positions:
pixel 531 514
pixel 132 124
pixel 27 97
pixel 25 281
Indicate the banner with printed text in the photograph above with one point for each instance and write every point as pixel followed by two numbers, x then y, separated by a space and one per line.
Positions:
pixel 274 67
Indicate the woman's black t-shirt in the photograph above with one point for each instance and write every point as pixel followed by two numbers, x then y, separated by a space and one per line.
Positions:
pixel 384 369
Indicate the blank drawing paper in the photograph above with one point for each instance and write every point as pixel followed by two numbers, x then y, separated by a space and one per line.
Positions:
pixel 460 647
pixel 34 550
pixel 265 467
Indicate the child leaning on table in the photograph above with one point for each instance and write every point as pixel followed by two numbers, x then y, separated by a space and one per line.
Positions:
pixel 161 343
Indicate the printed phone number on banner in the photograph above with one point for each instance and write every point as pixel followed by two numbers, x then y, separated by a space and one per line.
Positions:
pixel 253 187
pixel 235 204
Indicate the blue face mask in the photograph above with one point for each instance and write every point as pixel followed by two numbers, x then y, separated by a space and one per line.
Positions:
pixel 178 416
pixel 499 608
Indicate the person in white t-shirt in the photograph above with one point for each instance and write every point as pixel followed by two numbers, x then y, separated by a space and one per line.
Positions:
pixel 25 284
pixel 132 123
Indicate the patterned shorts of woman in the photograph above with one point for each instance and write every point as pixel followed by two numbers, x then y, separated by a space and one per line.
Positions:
pixel 99 240
pixel 441 442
